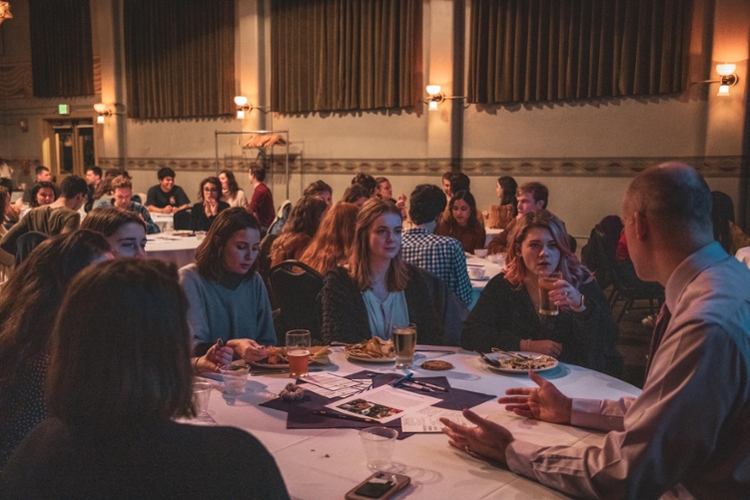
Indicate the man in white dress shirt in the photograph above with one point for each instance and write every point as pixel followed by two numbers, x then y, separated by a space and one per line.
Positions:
pixel 688 434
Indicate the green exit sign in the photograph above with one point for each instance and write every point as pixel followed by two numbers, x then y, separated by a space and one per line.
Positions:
pixel 63 109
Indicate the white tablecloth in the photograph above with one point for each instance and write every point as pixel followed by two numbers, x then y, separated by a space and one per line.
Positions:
pixel 164 221
pixel 326 463
pixel 743 254
pixel 177 249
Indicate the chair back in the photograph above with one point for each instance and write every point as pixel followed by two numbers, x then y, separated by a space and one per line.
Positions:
pixel 297 287
pixel 26 243
pixel 183 219
pixel 282 215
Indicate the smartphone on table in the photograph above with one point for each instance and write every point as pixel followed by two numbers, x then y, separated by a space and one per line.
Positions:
pixel 379 486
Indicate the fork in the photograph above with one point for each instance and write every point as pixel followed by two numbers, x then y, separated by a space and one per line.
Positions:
pixel 487 360
pixel 516 355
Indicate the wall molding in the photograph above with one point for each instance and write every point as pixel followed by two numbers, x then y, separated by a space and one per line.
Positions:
pixel 708 166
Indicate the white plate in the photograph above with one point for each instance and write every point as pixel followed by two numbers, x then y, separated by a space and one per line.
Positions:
pixel 484 278
pixel 499 356
pixel 267 366
pixel 370 360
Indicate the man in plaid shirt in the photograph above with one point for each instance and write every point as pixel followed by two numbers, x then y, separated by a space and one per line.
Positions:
pixel 441 255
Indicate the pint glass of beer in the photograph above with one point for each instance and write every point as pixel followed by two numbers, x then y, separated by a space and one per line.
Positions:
pixel 404 343
pixel 546 285
pixel 298 352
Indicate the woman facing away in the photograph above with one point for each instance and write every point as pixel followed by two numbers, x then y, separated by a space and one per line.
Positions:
pixel 226 295
pixel 29 302
pixel 462 223
pixel 299 230
pixel 506 316
pixel 333 240
pixel 205 211
pixel 378 290
pixel 119 373
pixel 499 216
pixel 230 190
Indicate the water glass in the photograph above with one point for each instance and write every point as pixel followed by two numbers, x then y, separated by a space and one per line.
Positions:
pixel 235 378
pixel 378 443
pixel 201 398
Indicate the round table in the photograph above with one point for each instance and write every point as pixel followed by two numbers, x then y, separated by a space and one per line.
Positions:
pixel 326 463
pixel 177 249
pixel 164 221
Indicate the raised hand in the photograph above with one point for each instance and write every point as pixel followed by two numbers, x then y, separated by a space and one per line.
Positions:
pixel 543 403
pixel 488 439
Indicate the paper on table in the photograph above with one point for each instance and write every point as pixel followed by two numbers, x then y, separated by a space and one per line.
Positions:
pixel 383 404
pixel 428 420
pixel 334 386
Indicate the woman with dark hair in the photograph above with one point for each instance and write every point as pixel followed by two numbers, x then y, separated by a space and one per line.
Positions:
pixel 205 211
pixel 499 216
pixel 4 209
pixel 367 181
pixel 384 191
pixel 230 190
pixel 331 244
pixel 299 230
pixel 42 194
pixel 505 315
pixel 118 376
pixel 227 297
pixel 125 230
pixel 29 302
pixel 357 194
pixel 726 232
pixel 378 290
pixel 462 223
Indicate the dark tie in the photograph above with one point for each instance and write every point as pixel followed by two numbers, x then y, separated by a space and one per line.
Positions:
pixel 662 321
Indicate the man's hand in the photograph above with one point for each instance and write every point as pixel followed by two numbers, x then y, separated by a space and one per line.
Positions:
pixel 488 439
pixel 545 403
pixel 248 349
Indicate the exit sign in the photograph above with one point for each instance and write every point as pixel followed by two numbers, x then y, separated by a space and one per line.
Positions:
pixel 63 109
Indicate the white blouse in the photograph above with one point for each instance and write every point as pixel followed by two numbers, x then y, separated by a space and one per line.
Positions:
pixel 238 201
pixel 383 316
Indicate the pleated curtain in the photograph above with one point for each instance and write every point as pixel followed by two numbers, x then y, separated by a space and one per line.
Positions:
pixel 179 58
pixel 62 61
pixel 556 50
pixel 343 55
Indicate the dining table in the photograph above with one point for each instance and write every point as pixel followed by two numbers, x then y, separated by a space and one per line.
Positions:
pixel 492 265
pixel 164 221
pixel 173 248
pixel 326 463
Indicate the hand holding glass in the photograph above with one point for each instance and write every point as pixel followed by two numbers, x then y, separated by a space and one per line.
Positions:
pixel 546 284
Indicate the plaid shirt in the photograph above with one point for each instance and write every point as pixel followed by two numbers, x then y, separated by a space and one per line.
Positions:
pixel 442 256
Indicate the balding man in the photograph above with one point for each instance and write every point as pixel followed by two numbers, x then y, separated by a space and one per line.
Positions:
pixel 688 433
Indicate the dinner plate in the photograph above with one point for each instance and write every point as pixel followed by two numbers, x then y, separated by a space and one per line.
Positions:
pixel 267 366
pixel 483 278
pixel 500 357
pixel 370 360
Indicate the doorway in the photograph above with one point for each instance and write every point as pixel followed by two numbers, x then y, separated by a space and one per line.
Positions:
pixel 72 147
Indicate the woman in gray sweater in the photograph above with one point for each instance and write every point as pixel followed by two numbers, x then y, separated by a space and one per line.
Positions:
pixel 227 298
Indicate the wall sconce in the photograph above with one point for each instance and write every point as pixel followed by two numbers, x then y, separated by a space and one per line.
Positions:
pixel 728 78
pixel 243 107
pixel 435 97
pixel 103 111
pixel 5 12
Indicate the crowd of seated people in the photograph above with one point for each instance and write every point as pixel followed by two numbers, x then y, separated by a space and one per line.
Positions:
pixel 377 276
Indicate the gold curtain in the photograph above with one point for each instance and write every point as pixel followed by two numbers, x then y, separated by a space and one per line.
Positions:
pixel 341 55
pixel 179 58
pixel 550 50
pixel 62 61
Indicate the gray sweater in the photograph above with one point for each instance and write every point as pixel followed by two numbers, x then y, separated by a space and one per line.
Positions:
pixel 216 311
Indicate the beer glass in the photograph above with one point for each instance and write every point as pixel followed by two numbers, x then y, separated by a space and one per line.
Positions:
pixel 404 343
pixel 546 284
pixel 298 352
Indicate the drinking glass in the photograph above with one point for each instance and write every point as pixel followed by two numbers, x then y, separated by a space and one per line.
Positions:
pixel 404 343
pixel 235 378
pixel 378 443
pixel 201 397
pixel 546 284
pixel 298 352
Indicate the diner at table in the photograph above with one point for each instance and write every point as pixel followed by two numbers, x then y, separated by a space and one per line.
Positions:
pixel 209 205
pixel 462 223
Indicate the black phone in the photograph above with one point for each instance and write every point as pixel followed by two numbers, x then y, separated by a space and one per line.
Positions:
pixel 379 486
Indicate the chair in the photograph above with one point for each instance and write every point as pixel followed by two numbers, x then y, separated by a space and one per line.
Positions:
pixel 282 215
pixel 183 219
pixel 297 287
pixel 264 265
pixel 625 283
pixel 26 243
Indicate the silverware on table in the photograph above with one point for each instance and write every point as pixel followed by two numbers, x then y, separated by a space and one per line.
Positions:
pixel 516 355
pixel 487 360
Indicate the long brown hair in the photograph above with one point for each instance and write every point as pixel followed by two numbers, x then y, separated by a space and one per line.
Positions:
pixel 331 244
pixel 228 222
pixel 303 219
pixel 231 182
pixel 359 258
pixel 121 348
pixel 472 223
pixel 30 299
pixel 571 268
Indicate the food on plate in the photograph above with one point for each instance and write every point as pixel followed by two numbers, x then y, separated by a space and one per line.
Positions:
pixel 372 348
pixel 536 363
pixel 436 364
pixel 276 356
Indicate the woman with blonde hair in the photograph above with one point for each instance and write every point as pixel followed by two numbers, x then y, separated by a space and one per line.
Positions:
pixel 330 246
pixel 378 290
pixel 506 316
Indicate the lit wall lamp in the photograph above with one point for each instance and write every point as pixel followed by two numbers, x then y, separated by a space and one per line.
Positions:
pixel 5 12
pixel 728 78
pixel 435 97
pixel 103 111
pixel 243 107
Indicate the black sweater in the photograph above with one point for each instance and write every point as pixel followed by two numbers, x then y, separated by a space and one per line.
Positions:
pixel 433 308
pixel 504 315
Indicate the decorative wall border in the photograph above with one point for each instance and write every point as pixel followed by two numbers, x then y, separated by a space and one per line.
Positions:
pixel 708 166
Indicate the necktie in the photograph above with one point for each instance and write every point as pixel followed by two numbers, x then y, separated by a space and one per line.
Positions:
pixel 662 321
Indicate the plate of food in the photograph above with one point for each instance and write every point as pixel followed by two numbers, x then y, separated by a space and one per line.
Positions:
pixel 512 364
pixel 374 350
pixel 277 358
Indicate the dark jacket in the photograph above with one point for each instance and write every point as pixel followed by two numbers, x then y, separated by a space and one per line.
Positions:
pixel 436 311
pixel 504 315
pixel 198 219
